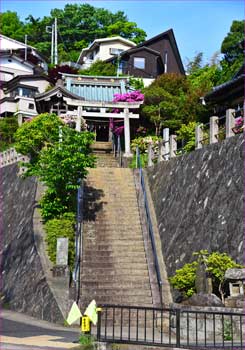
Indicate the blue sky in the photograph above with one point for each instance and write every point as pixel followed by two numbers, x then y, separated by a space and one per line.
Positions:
pixel 198 25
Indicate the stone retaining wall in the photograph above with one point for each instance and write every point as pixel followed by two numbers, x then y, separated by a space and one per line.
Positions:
pixel 198 200
pixel 24 284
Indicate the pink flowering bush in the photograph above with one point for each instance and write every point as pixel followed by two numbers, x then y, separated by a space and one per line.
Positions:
pixel 239 125
pixel 132 96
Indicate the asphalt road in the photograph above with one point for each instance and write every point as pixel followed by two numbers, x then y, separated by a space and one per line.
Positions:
pixel 21 332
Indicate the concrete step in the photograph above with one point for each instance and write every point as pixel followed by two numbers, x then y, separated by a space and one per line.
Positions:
pixel 114 285
pixel 123 265
pixel 91 259
pixel 116 278
pixel 112 254
pixel 118 300
pixel 116 292
pixel 115 246
pixel 110 271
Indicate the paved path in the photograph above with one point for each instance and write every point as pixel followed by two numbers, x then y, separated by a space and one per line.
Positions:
pixel 21 332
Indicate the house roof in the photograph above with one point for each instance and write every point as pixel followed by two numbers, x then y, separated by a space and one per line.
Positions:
pixel 88 88
pixel 170 34
pixel 136 49
pixel 97 42
pixel 58 89
pixel 8 85
pixel 15 42
pixel 17 58
pixel 96 88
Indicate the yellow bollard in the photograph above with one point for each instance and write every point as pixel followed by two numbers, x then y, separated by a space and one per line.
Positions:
pixel 85 326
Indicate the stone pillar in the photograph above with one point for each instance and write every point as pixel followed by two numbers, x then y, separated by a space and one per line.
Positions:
pixel 62 251
pixel 229 123
pixel 150 162
pixel 172 146
pixel 160 151
pixel 20 119
pixel 198 136
pixel 127 133
pixel 214 130
pixel 166 143
pixel 79 118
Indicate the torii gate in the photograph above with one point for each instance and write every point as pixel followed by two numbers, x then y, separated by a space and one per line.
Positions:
pixel 105 112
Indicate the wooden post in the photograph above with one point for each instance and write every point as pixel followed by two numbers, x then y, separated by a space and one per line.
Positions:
pixel 229 123
pixel 214 130
pixel 198 136
pixel 172 146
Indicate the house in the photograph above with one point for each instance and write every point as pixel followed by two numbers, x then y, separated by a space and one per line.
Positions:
pixel 22 75
pixel 19 49
pixel 228 95
pixel 151 58
pixel 11 66
pixel 103 49
pixel 17 95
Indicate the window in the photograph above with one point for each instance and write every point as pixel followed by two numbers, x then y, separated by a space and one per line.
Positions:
pixel 31 106
pixel 139 62
pixel 115 51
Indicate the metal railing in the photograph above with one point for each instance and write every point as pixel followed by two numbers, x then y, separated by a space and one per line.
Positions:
pixel 78 240
pixel 170 327
pixel 149 224
pixel 117 149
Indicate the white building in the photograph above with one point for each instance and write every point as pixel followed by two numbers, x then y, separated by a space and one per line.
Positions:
pixel 103 49
pixel 20 79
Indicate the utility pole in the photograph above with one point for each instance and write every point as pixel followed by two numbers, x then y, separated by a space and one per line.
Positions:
pixel 25 47
pixel 52 45
pixel 55 42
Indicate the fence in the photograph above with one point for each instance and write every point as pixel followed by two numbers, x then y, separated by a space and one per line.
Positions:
pixel 170 327
pixel 217 129
pixel 10 156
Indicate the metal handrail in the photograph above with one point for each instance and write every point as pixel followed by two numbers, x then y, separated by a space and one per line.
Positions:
pixel 117 150
pixel 78 240
pixel 149 223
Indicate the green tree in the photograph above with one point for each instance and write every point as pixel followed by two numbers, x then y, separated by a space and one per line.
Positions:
pixel 100 68
pixel 186 134
pixel 60 163
pixel 78 26
pixel 11 26
pixel 216 264
pixel 8 127
pixel 32 136
pixel 171 101
pixel 233 49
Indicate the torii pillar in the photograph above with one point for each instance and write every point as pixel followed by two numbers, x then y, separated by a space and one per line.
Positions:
pixel 127 153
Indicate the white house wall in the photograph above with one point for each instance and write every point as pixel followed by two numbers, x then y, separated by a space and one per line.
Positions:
pixel 104 52
pixel 13 66
pixel 40 84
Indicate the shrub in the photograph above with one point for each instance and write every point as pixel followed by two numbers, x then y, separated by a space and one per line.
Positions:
pixel 61 227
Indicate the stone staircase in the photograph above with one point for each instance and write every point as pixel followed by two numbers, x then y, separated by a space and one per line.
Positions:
pixel 114 267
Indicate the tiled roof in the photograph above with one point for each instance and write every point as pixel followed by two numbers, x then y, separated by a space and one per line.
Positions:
pixel 96 89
